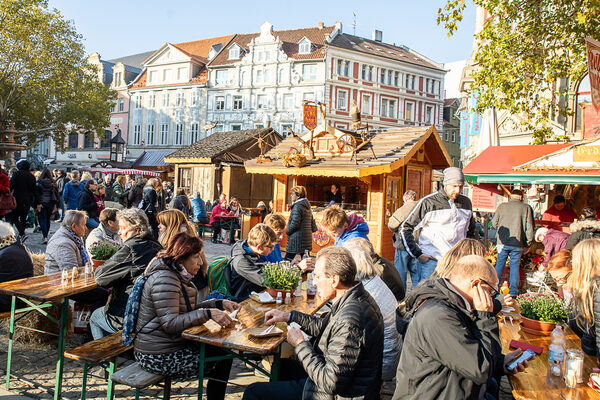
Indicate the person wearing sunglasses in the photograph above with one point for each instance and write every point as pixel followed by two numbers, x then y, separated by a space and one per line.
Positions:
pixel 559 267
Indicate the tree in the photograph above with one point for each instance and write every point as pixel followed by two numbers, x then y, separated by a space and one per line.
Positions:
pixel 46 86
pixel 529 53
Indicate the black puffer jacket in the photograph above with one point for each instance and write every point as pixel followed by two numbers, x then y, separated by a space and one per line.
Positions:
pixel 450 351
pixel 149 201
pixel 163 314
pixel 585 229
pixel 300 228
pixel 48 192
pixel 135 194
pixel 15 263
pixel 87 203
pixel 244 273
pixel 120 272
pixel 22 186
pixel 345 362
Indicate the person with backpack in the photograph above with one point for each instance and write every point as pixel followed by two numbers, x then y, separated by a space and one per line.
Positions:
pixel 168 305
pixel 120 271
pixel 149 204
pixel 588 227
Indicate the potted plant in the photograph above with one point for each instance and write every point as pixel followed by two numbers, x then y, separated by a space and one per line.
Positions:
pixel 541 312
pixel 102 251
pixel 281 276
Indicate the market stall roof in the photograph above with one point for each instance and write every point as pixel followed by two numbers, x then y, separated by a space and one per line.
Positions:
pixel 153 158
pixel 393 148
pixel 543 164
pixel 219 146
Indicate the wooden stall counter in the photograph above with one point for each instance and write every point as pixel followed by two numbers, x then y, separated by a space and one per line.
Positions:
pixel 535 382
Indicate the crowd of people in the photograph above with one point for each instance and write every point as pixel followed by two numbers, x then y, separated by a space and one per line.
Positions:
pixel 425 323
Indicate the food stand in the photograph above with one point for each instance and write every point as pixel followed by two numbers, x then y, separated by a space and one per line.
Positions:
pixel 373 169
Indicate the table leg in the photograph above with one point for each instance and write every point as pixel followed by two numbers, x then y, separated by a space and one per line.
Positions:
pixel 84 380
pixel 111 384
pixel 275 366
pixel 201 370
pixel 62 334
pixel 11 332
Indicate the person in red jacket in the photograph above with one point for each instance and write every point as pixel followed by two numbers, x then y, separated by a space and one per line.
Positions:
pixel 4 188
pixel 559 212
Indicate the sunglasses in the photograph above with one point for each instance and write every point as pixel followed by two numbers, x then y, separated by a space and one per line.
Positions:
pixel 563 280
pixel 493 292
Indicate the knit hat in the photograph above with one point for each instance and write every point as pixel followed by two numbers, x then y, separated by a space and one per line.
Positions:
pixel 539 233
pixel 453 176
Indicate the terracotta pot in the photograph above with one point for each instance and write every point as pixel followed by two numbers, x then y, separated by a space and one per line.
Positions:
pixel 273 292
pixel 97 263
pixel 537 327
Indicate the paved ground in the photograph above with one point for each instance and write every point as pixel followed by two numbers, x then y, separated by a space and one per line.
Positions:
pixel 34 365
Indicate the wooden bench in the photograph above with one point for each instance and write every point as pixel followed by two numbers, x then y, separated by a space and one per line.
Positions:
pixel 135 376
pixel 102 352
pixel 202 228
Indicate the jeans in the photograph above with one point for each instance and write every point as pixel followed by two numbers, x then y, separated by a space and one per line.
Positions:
pixel 44 217
pixel 100 325
pixel 289 386
pixel 424 269
pixel 62 208
pixel 404 264
pixel 515 262
pixel 92 223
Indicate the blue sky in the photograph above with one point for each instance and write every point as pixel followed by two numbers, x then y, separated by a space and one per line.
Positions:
pixel 119 28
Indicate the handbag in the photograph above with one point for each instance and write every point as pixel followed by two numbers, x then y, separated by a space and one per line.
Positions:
pixel 7 202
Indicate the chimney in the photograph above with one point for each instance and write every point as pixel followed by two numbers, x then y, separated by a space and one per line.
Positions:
pixel 320 25
pixel 377 35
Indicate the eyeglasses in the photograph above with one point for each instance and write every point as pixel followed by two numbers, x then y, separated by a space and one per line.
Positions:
pixel 493 292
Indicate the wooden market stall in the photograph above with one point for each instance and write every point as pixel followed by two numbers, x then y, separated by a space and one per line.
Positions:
pixel 373 171
pixel 215 165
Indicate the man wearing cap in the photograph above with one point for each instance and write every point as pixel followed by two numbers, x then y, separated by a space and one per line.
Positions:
pixel 444 218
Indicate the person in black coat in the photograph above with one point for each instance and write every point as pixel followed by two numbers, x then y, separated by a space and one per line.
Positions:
pixel 23 187
pixel 121 270
pixel 48 197
pixel 136 192
pixel 86 202
pixel 149 204
pixel 588 227
pixel 301 224
pixel 15 262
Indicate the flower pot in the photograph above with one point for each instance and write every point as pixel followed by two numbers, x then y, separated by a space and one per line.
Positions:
pixel 537 327
pixel 97 263
pixel 273 292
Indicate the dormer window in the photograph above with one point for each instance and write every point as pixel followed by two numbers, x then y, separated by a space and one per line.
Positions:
pixel 234 52
pixel 304 46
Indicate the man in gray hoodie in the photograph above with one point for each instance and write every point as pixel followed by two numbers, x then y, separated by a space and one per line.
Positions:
pixel 515 225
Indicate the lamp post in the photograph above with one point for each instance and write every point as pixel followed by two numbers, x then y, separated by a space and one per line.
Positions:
pixel 117 148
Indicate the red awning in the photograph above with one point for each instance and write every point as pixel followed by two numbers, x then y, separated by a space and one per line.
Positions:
pixel 502 159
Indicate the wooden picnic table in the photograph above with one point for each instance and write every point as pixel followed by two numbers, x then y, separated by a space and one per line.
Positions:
pixel 535 382
pixel 236 343
pixel 39 293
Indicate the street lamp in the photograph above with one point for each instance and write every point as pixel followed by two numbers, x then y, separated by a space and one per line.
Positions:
pixel 117 147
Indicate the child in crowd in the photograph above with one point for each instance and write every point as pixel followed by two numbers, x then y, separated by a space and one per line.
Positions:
pixel 247 259
pixel 277 223
pixel 342 226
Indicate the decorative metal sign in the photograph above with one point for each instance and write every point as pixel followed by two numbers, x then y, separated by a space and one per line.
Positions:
pixel 310 116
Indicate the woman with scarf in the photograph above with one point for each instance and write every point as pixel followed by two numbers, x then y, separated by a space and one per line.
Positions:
pixel 168 305
pixel 66 250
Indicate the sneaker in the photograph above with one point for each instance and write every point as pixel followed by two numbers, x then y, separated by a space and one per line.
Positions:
pixel 45 241
pixel 37 229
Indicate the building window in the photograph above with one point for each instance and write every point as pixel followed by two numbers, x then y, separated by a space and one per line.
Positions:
pixel 236 127
pixel 117 81
pixel 112 108
pixel 180 99
pixel 309 72
pixel 389 77
pixel 151 100
pixel 453 136
pixel 164 134
pixel 220 103
pixel 429 115
pixel 182 74
pixel 342 100
pixel 261 101
pixel 165 100
pixel 137 134
pixel 267 75
pixel 237 103
pixel 409 114
pixel 259 76
pixel 194 133
pixel 363 74
pixel 410 82
pixel 105 143
pixel 150 134
pixel 446 136
pixel 153 76
pixel 285 129
pixel 185 179
pixel 304 47
pixel 308 96
pixel 234 53
pixel 88 141
pixel 366 104
pixel 280 75
pixel 121 105
pixel 167 75
pixel 288 101
pixel 382 75
pixel 178 134
pixel 371 73
pixel 194 98
pixel 396 79
pixel 221 77
pixel 73 140
pixel 340 66
pixel 388 108
pixel 138 101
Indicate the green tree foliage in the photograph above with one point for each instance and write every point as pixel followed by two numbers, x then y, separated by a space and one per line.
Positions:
pixel 46 86
pixel 524 51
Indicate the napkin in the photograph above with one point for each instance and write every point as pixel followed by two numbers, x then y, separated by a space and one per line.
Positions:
pixel 233 314
pixel 304 334
pixel 269 330
pixel 264 297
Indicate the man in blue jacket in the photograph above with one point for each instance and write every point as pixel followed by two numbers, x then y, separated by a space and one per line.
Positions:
pixel 342 226
pixel 71 191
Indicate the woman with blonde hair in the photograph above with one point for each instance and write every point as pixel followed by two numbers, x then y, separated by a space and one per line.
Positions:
pixel 170 223
pixel 584 284
pixel 463 248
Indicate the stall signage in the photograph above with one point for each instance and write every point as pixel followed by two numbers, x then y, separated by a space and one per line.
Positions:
pixel 586 153
pixel 593 56
pixel 321 238
pixel 483 199
pixel 310 116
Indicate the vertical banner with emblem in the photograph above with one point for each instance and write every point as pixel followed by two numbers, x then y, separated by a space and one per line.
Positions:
pixel 465 121
pixel 310 116
pixel 593 56
pixel 475 125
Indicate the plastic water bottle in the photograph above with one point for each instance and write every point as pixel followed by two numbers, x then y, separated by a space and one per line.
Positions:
pixel 556 351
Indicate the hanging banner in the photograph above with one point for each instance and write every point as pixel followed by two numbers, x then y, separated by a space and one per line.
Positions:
pixel 593 56
pixel 476 118
pixel 465 121
pixel 310 116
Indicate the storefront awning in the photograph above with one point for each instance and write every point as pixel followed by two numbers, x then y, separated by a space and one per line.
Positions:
pixel 537 179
